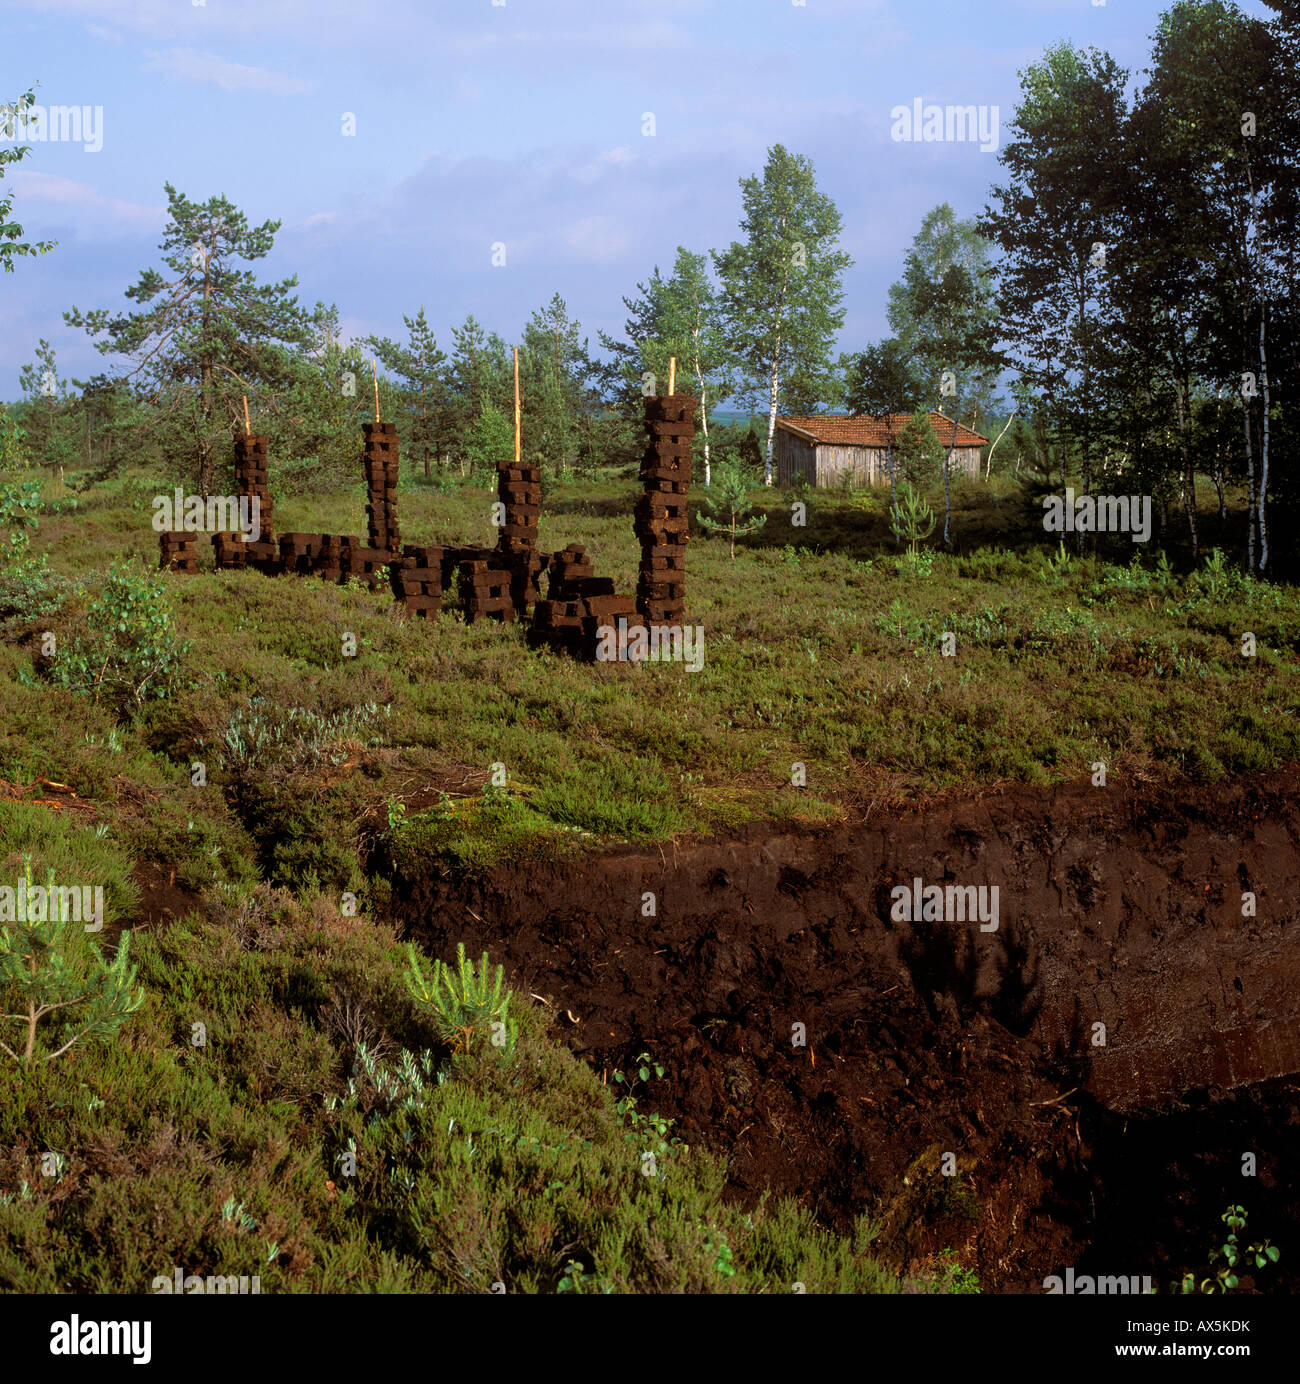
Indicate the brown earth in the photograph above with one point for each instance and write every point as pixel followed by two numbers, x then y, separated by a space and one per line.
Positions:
pixel 1119 907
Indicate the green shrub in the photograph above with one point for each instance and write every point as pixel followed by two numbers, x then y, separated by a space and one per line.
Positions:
pixel 126 650
pixel 464 1004
pixel 272 739
pixel 1228 1259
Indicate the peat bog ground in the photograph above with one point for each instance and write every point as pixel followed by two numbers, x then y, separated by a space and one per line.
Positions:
pixel 1122 908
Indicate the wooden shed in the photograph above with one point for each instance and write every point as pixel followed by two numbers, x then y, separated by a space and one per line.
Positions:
pixel 826 446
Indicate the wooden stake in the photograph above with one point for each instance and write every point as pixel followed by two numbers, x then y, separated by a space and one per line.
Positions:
pixel 248 427
pixel 672 374
pixel 517 440
pixel 375 373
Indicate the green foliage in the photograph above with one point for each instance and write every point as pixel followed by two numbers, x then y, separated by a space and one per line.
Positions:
pixel 12 246
pixel 209 332
pixel 32 593
pixel 49 417
pixel 558 397
pixel 273 741
pixel 13 444
pixel 913 523
pixel 29 589
pixel 126 649
pixel 20 506
pixel 465 1005
pixel 49 966
pixel 488 443
pixel 728 506
pixel 781 290
pixel 680 317
pixel 918 451
pixel 1227 1260
pixel 422 388
pixel 952 1278
pixel 379 1090
pixel 649 1133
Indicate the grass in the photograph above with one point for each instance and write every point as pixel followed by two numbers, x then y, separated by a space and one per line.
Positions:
pixel 280 1106
pixel 824 649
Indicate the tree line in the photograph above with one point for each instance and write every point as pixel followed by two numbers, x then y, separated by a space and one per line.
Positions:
pixel 1123 310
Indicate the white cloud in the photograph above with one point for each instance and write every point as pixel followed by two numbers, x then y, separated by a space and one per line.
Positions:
pixel 206 69
pixel 597 239
pixel 87 209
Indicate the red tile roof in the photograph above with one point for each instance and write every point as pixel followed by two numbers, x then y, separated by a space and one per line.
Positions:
pixel 838 429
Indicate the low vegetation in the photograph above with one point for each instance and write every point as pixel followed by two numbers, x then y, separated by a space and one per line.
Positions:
pixel 285 1106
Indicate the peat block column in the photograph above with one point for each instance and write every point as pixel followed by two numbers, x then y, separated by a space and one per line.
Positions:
pixel 519 489
pixel 380 461
pixel 662 522
pixel 178 552
pixel 417 580
pixel 252 479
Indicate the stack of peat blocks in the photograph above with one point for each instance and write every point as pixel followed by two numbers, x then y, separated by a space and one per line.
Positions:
pixel 485 590
pixel 579 603
pixel 178 552
pixel 519 489
pixel 417 580
pixel 662 523
pixel 231 549
pixel 380 462
pixel 253 480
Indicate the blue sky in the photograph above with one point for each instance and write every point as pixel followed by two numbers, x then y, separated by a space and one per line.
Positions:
pixel 476 123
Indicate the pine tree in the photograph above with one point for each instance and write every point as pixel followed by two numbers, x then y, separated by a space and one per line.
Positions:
pixel 209 332
pixel 49 966
pixel 422 387
pixel 49 413
pixel 920 450
pixel 729 508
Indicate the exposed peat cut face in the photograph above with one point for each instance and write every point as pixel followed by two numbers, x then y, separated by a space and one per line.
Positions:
pixel 1089 998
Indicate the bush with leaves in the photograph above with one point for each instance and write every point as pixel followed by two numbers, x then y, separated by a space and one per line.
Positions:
pixel 13 444
pixel 126 650
pixel 489 441
pixel 1228 1259
pixel 29 590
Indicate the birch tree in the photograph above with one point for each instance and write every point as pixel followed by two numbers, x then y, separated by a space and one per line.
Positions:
pixel 12 244
pixel 781 286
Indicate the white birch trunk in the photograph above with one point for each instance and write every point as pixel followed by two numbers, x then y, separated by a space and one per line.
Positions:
pixel 771 420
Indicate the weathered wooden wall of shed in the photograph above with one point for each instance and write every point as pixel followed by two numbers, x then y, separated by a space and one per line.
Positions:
pixel 794 458
pixel 827 464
